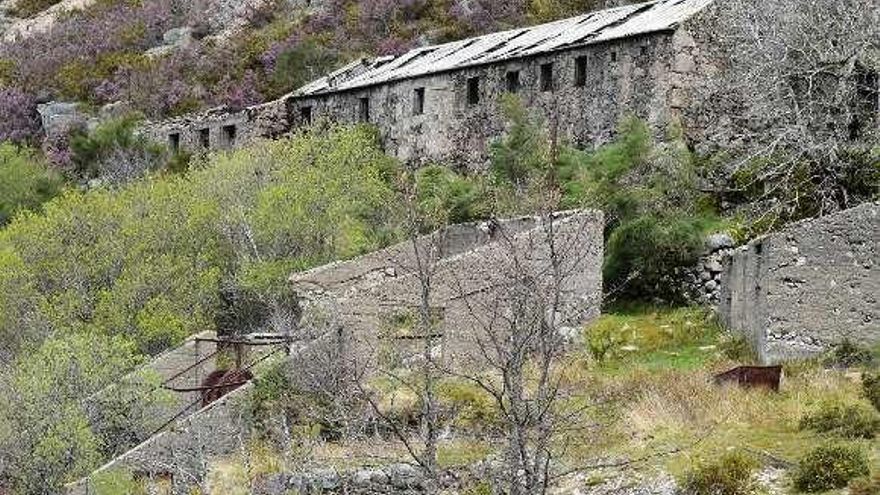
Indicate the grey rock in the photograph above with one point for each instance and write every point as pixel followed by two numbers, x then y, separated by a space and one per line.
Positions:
pixel 181 36
pixel 711 285
pixel 705 276
pixel 59 117
pixel 716 242
pixel 714 266
pixel 404 475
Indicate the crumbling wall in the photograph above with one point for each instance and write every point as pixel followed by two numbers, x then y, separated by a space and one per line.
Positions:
pixel 472 260
pixel 798 292
pixel 468 289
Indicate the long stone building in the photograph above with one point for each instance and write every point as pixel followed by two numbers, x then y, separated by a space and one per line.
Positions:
pixel 581 75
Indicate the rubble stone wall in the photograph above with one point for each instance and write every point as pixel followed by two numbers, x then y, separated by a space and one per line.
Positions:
pixel 469 290
pixel 656 77
pixel 798 292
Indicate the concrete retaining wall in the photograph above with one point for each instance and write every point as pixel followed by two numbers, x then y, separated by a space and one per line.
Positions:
pixel 796 293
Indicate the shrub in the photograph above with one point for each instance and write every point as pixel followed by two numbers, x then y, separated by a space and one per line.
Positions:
pixel 848 354
pixel 865 486
pixel 29 8
pixel 845 420
pixel 25 182
pixel 603 340
pixel 21 122
pixel 114 152
pixel 470 406
pixel 446 197
pixel 830 466
pixel 871 388
pixel 731 474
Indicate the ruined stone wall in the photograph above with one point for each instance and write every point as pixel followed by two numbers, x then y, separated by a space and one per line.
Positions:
pixel 470 291
pixel 796 293
pixel 624 77
pixel 220 128
pixel 473 262
pixel 655 77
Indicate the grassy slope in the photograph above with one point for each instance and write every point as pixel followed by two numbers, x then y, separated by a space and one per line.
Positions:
pixel 659 380
pixel 671 403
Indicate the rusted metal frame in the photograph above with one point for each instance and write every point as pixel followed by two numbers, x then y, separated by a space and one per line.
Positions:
pixel 189 368
pixel 279 341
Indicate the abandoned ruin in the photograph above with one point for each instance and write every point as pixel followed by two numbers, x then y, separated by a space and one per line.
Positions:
pixel 792 294
pixel 581 75
pixel 361 299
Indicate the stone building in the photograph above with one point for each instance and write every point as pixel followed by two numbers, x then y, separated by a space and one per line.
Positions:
pixel 581 76
pixel 798 292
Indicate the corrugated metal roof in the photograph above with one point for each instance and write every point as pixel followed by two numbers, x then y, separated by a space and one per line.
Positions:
pixel 595 27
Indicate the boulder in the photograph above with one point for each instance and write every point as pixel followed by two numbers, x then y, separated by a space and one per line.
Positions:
pixel 59 117
pixel 181 36
pixel 719 241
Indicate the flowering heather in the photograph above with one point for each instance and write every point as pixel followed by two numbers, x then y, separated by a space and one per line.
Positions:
pixel 20 123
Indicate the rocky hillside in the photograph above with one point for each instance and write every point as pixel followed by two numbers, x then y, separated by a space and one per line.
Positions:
pixel 168 57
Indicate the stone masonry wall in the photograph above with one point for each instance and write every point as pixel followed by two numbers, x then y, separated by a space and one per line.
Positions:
pixel 796 293
pixel 624 77
pixel 468 288
pixel 656 77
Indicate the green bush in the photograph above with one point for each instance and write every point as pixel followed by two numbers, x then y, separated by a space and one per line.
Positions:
pixel 871 388
pixel 830 466
pixel 845 420
pixel 730 474
pixel 469 405
pixel 865 486
pixel 446 197
pixel 25 181
pixel 848 354
pixel 29 8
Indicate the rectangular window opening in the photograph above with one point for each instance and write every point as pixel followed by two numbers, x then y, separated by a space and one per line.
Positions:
pixel 418 101
pixel 512 81
pixel 229 135
pixel 305 115
pixel 364 109
pixel 473 90
pixel 547 77
pixel 614 56
pixel 580 72
pixel 205 138
pixel 643 50
pixel 174 141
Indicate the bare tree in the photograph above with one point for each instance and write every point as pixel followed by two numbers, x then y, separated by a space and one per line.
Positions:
pixel 517 337
pixel 801 82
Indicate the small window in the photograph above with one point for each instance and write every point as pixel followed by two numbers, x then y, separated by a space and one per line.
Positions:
pixel 614 56
pixel 305 115
pixel 643 50
pixel 547 77
pixel 174 141
pixel 364 109
pixel 473 90
pixel 580 71
pixel 512 81
pixel 418 101
pixel 229 134
pixel 205 138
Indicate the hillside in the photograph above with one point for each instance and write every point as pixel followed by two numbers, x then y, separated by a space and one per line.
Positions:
pixel 498 375
pixel 168 57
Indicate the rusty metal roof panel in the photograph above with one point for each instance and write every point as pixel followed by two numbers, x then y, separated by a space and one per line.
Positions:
pixel 595 27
